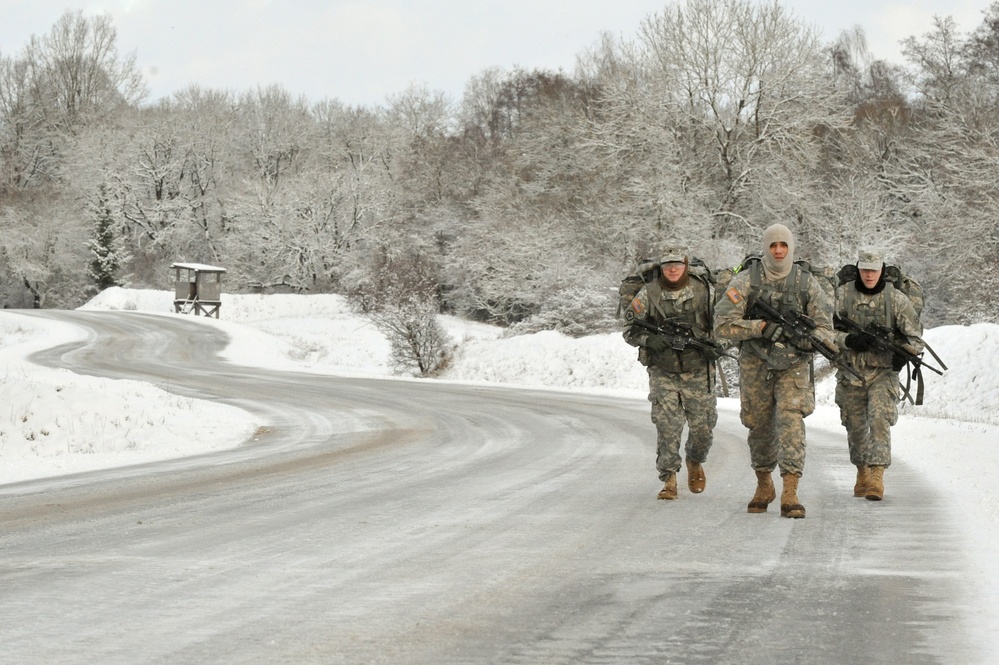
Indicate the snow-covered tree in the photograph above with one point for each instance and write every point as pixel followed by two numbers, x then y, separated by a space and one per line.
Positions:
pixel 400 291
pixel 108 252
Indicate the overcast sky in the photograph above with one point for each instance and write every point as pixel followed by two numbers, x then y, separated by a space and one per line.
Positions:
pixel 362 51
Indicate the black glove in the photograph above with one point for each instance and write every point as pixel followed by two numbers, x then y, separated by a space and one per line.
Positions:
pixel 898 361
pixel 859 343
pixel 658 343
pixel 772 332
pixel 711 353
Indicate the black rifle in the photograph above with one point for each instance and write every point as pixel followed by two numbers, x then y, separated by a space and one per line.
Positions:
pixel 799 330
pixel 884 340
pixel 680 337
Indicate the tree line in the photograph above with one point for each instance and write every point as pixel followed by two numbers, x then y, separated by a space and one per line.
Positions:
pixel 525 202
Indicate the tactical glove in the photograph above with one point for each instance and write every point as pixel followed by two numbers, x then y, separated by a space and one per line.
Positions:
pixel 772 332
pixel 658 343
pixel 858 343
pixel 712 353
pixel 898 361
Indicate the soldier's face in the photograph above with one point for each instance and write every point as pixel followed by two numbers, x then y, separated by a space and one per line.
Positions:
pixel 674 271
pixel 870 277
pixel 778 250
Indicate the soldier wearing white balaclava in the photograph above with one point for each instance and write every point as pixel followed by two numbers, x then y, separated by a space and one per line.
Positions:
pixel 776 378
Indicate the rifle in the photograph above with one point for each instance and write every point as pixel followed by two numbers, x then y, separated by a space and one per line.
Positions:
pixel 680 337
pixel 884 340
pixel 799 329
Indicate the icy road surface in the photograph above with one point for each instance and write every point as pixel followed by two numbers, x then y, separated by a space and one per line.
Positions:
pixel 383 521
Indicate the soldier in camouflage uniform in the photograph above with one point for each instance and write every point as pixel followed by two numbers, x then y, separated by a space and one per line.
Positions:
pixel 681 382
pixel 776 381
pixel 868 409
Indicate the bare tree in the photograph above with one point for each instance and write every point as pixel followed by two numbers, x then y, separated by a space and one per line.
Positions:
pixel 982 47
pixel 938 66
pixel 27 145
pixel 400 291
pixel 480 112
pixel 423 165
pixel 747 91
pixel 274 133
pixel 653 193
pixel 339 194
pixel 77 73
pixel 43 247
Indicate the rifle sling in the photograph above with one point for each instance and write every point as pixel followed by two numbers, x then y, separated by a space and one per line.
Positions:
pixel 912 373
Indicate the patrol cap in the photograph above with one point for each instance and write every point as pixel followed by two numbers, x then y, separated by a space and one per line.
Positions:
pixel 869 258
pixel 674 254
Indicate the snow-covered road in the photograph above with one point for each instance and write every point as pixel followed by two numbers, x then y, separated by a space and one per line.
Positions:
pixel 417 522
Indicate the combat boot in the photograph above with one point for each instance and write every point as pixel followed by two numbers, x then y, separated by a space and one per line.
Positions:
pixel 765 493
pixel 789 506
pixel 668 492
pixel 875 483
pixel 695 477
pixel 860 487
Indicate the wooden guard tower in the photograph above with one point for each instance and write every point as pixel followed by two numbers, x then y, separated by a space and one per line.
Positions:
pixel 198 289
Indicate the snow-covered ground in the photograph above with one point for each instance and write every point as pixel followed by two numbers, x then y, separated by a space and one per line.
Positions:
pixel 55 422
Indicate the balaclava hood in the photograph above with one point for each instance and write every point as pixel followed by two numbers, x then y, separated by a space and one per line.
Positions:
pixel 773 268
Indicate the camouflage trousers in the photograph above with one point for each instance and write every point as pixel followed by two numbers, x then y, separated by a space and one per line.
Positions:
pixel 868 412
pixel 678 399
pixel 773 406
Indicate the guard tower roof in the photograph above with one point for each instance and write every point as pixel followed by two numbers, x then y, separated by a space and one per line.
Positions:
pixel 198 266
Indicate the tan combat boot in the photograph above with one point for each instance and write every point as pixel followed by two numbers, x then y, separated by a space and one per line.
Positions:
pixel 789 506
pixel 860 487
pixel 668 492
pixel 875 483
pixel 695 477
pixel 765 493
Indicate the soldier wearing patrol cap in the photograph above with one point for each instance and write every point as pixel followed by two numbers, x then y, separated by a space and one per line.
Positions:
pixel 868 405
pixel 681 378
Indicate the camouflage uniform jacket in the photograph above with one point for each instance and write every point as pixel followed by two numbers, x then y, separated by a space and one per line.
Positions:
pixel 811 300
pixel 890 309
pixel 688 305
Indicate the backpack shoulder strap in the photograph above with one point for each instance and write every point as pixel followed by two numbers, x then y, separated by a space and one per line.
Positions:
pixel 849 299
pixel 703 300
pixel 755 272
pixel 796 295
pixel 889 309
pixel 655 291
pixel 801 287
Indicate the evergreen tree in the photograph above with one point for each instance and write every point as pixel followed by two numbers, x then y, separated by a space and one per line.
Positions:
pixel 109 254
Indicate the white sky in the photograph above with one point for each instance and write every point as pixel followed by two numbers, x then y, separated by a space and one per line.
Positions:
pixel 55 422
pixel 362 51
